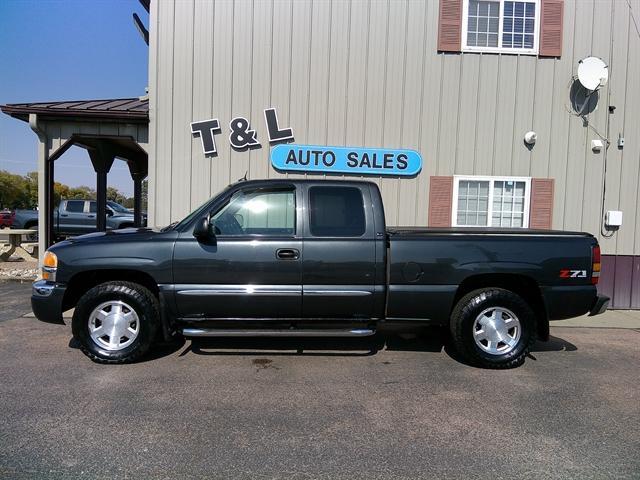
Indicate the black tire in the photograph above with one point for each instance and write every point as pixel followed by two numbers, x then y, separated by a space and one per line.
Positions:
pixel 139 298
pixel 468 309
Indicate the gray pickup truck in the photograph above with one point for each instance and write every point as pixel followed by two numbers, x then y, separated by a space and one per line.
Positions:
pixel 314 258
pixel 77 217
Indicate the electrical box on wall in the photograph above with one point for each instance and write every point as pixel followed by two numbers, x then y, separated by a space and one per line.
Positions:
pixel 613 218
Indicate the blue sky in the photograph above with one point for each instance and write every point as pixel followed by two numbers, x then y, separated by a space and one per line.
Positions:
pixel 67 50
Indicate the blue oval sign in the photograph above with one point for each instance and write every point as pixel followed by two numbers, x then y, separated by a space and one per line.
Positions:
pixel 357 161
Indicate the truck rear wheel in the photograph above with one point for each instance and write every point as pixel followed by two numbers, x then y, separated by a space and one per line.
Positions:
pixel 116 322
pixel 493 328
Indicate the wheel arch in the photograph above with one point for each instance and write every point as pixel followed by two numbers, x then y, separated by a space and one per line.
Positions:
pixel 82 282
pixel 522 285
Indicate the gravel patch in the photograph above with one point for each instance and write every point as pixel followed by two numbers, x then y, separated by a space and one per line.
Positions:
pixel 19 269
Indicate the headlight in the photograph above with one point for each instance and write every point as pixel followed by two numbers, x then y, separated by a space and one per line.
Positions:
pixel 49 266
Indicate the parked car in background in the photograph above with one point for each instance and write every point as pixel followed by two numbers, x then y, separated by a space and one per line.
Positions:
pixel 6 218
pixel 77 217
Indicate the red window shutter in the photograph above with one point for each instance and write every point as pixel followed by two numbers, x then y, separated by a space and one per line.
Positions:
pixel 541 211
pixel 450 26
pixel 440 198
pixel 551 28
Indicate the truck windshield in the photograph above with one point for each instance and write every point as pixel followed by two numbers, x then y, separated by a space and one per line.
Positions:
pixel 117 207
pixel 198 212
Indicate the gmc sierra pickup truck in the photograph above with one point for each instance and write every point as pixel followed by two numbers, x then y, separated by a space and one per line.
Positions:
pixel 314 258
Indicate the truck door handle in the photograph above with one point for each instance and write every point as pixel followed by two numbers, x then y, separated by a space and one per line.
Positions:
pixel 64 215
pixel 287 253
pixel 92 216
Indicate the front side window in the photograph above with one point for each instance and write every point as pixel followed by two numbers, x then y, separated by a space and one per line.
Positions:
pixel 491 202
pixel 257 212
pixel 501 26
pixel 336 212
pixel 75 206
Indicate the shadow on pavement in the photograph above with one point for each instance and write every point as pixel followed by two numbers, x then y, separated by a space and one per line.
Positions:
pixel 554 344
pixel 418 340
pixel 431 339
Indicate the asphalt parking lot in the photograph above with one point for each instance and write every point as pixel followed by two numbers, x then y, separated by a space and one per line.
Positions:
pixel 313 409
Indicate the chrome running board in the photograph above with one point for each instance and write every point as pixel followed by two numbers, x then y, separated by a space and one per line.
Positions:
pixel 225 332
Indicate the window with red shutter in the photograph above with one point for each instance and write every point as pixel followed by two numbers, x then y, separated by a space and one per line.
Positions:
pixel 450 25
pixel 551 28
pixel 440 198
pixel 541 214
pixel 528 27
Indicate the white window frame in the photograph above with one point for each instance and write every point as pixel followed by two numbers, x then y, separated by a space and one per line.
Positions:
pixel 514 51
pixel 490 179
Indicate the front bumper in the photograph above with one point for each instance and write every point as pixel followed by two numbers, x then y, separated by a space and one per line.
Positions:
pixel 599 306
pixel 46 301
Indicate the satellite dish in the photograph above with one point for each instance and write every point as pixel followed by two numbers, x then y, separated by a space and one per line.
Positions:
pixel 593 73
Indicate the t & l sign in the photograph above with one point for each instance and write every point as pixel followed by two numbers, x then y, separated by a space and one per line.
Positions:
pixel 241 136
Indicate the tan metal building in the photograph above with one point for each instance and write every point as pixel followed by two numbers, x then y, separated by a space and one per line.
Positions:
pixel 467 84
pixel 459 81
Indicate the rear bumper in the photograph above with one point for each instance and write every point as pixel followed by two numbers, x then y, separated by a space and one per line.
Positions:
pixel 600 305
pixel 46 301
pixel 569 301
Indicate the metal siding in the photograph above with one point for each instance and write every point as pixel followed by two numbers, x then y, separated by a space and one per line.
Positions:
pixel 635 283
pixel 201 109
pixel 162 115
pixel 368 73
pixel 281 65
pixel 338 72
pixel 631 130
pixel 578 137
pixel 260 86
pixel 471 90
pixel 617 85
pixel 594 162
pixel 523 114
pixel 392 124
pixel 412 104
pixel 506 100
pixel 622 282
pixel 223 50
pixel 542 119
pixel 432 83
pixel 357 73
pixel 485 120
pixel 301 31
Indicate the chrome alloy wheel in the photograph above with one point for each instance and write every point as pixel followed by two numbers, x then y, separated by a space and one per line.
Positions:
pixel 113 325
pixel 497 330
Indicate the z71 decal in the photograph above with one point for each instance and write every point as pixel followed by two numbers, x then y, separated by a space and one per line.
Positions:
pixel 573 274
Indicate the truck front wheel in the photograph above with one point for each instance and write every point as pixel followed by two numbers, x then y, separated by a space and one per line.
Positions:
pixel 116 322
pixel 493 328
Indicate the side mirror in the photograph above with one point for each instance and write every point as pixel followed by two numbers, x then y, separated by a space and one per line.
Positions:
pixel 203 230
pixel 109 212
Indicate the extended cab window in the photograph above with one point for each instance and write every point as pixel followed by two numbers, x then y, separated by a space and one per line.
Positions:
pixel 258 212
pixel 75 206
pixel 93 207
pixel 336 212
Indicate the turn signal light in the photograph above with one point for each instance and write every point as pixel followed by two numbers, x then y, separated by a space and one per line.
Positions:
pixel 595 270
pixel 49 266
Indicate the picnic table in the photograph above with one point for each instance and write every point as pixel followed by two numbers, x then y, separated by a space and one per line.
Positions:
pixel 25 250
